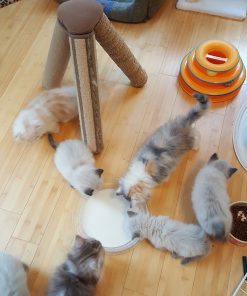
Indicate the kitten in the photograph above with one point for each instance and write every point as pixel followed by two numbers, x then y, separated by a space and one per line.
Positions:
pixel 79 274
pixel 13 276
pixel 161 152
pixel 76 164
pixel 188 241
pixel 44 112
pixel 210 198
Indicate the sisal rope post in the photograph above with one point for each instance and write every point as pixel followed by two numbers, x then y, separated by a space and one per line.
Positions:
pixel 117 49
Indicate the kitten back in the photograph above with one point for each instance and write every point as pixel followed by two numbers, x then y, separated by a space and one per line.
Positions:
pixel 52 142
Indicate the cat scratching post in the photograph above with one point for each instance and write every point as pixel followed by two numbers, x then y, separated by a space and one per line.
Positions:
pixel 80 22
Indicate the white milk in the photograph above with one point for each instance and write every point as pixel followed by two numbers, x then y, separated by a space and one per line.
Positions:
pixel 104 218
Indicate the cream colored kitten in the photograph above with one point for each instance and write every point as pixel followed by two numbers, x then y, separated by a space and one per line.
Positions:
pixel 76 164
pixel 44 112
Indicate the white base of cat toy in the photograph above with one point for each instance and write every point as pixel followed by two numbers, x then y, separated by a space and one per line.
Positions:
pixel 104 217
pixel 235 9
pixel 240 136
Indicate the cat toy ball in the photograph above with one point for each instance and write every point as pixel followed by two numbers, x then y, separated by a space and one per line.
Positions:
pixel 214 68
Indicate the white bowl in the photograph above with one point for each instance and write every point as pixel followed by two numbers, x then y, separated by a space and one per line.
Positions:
pixel 104 217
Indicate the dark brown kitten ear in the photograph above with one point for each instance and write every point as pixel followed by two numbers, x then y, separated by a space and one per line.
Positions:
pixel 213 157
pixel 25 266
pixel 89 191
pixel 99 172
pixel 231 171
pixel 132 213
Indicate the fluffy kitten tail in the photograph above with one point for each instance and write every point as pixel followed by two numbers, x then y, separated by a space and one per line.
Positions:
pixel 198 110
pixel 52 142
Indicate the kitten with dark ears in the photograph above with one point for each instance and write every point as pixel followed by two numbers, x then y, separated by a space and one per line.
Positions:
pixel 76 164
pixel 79 274
pixel 156 159
pixel 210 198
pixel 188 241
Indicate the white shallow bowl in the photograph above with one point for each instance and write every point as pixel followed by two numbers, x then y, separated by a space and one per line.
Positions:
pixel 104 217
pixel 240 136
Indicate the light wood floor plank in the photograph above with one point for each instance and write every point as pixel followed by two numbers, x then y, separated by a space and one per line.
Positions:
pixel 8 222
pixel 23 250
pixel 144 270
pixel 21 44
pixel 38 209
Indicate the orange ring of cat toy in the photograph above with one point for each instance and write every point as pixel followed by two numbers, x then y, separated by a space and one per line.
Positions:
pixel 213 90
pixel 222 77
pixel 213 99
pixel 218 48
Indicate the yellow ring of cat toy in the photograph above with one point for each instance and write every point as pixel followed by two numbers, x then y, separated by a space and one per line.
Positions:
pixel 224 50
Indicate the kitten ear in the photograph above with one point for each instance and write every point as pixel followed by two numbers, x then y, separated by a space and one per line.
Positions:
pixel 231 171
pixel 99 172
pixel 213 157
pixel 119 191
pixel 79 241
pixel 89 191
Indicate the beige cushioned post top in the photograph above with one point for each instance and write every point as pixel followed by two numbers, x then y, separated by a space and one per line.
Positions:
pixel 80 17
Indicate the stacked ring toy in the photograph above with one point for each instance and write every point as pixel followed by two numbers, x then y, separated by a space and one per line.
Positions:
pixel 213 68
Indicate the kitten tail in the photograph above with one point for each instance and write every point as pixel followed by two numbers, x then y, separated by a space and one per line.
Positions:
pixel 52 142
pixel 197 111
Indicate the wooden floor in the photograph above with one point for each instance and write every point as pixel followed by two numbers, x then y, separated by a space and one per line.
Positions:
pixel 38 209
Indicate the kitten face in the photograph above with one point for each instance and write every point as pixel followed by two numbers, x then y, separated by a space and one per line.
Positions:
pixel 87 256
pixel 136 183
pixel 27 127
pixel 221 165
pixel 87 179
